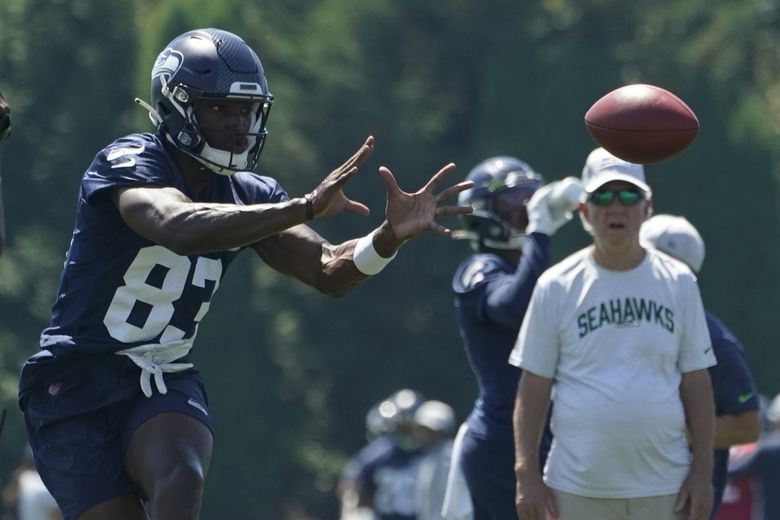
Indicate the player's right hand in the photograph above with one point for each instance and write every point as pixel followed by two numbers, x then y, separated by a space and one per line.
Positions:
pixel 534 500
pixel 540 218
pixel 696 495
pixel 328 199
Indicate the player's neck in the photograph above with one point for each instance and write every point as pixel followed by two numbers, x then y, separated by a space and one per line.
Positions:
pixel 196 174
pixel 512 255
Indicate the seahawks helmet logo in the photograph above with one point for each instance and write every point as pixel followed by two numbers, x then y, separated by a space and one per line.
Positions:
pixel 168 64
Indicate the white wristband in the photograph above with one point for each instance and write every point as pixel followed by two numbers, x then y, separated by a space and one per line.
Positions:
pixel 366 259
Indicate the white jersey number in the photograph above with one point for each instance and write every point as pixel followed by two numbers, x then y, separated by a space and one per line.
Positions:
pixel 395 489
pixel 160 299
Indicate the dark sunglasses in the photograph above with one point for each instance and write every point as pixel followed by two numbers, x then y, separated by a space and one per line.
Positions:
pixel 627 197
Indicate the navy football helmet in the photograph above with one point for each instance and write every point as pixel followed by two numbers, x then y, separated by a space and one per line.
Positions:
pixel 208 64
pixel 502 177
pixel 394 417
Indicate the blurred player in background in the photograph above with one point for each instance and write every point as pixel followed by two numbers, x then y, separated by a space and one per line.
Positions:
pixel 618 330
pixel 115 412
pixel 435 423
pixel 401 473
pixel 5 131
pixel 762 463
pixel 737 417
pixel 379 481
pixel 25 497
pixel 509 231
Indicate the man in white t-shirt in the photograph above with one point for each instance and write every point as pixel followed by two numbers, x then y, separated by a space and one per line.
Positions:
pixel 618 333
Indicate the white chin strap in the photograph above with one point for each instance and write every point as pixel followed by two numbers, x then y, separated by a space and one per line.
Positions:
pixel 223 162
pixel 515 242
pixel 227 163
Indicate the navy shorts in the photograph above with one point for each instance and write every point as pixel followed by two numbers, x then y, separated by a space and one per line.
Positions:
pixel 488 467
pixel 79 423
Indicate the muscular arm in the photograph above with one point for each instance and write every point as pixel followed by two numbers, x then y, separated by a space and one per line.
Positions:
pixel 731 430
pixel 738 420
pixel 168 217
pixel 303 254
pixel 508 298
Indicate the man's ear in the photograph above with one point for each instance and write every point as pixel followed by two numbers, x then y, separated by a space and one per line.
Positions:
pixel 584 211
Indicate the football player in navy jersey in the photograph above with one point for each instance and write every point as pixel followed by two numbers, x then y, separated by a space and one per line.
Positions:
pixel 116 414
pixel 379 481
pixel 510 231
pixel 737 416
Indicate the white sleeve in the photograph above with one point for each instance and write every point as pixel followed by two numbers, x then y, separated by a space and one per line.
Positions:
pixel 696 349
pixel 537 346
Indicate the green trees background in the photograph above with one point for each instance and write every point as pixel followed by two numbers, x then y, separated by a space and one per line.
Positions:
pixel 291 373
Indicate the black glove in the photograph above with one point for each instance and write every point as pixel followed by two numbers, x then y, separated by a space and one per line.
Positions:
pixel 5 118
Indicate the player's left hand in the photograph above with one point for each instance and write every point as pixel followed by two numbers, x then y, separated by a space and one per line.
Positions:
pixel 696 494
pixel 409 214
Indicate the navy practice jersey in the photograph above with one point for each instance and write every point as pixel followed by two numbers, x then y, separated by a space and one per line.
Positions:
pixel 491 297
pixel 388 476
pixel 119 290
pixel 733 388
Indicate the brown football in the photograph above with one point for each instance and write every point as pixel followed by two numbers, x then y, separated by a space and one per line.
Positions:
pixel 642 123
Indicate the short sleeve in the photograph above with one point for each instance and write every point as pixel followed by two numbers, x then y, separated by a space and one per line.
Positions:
pixel 134 160
pixel 537 347
pixel 732 383
pixel 696 351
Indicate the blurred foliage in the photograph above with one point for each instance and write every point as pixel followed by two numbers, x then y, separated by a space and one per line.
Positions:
pixel 291 372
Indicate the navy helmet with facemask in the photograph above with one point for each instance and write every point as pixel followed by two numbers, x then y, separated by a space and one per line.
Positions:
pixel 208 65
pixel 503 177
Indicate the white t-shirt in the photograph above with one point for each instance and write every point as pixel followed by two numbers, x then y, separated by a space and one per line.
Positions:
pixel 615 344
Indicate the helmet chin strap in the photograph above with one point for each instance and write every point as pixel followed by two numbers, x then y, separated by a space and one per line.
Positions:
pixel 221 161
pixel 515 242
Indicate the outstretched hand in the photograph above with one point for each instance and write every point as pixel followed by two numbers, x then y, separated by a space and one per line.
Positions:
pixel 409 214
pixel 328 199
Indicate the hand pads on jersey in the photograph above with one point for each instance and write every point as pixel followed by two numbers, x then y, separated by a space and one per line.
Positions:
pixel 552 206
